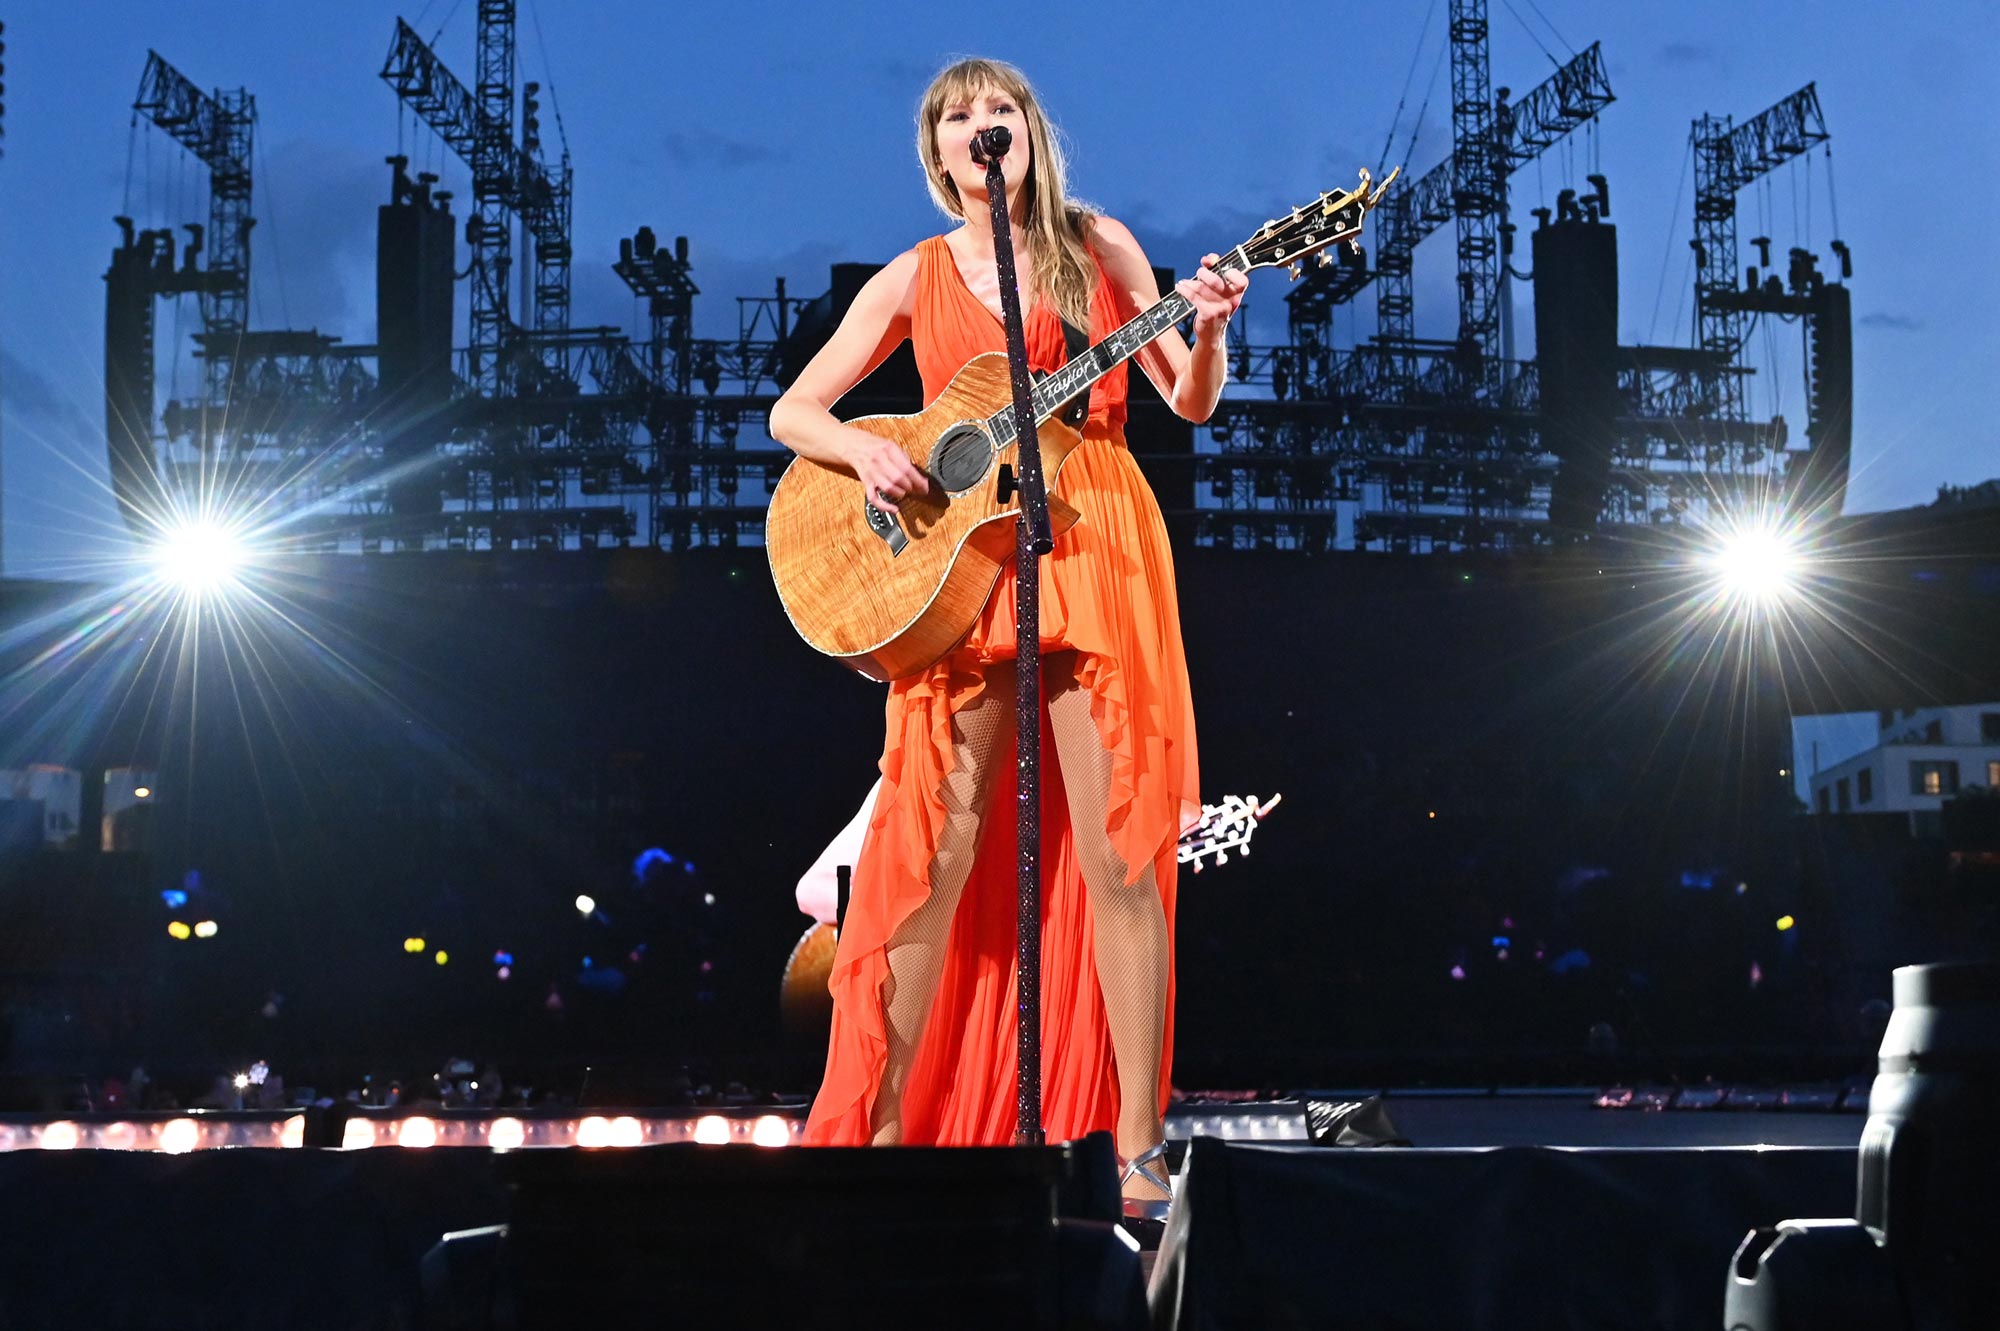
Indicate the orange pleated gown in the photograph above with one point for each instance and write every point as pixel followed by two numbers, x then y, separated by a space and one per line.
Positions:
pixel 1108 594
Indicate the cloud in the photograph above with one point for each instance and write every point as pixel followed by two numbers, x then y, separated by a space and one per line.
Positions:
pixel 33 395
pixel 701 147
pixel 903 73
pixel 1895 323
pixel 313 253
pixel 1684 54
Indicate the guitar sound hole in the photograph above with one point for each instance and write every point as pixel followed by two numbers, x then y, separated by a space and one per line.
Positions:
pixel 962 458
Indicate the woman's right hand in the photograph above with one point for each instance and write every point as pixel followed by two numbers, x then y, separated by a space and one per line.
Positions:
pixel 886 472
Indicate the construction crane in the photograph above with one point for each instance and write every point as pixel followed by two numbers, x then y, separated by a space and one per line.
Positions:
pixel 217 128
pixel 1474 194
pixel 1726 158
pixel 507 181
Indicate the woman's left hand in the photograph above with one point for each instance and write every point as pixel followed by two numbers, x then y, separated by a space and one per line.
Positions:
pixel 1214 296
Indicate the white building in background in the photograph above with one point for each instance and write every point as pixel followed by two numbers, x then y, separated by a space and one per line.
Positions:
pixel 1922 757
pixel 59 792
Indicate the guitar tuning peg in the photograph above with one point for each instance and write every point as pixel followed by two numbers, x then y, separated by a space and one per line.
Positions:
pixel 1222 857
pixel 1197 865
pixel 1296 270
pixel 1326 258
pixel 1354 245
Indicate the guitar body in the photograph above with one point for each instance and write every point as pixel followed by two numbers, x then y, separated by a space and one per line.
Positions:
pixel 891 595
pixel 886 607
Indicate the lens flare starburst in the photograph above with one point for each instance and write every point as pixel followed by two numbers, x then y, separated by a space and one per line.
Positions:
pixel 200 557
pixel 1761 564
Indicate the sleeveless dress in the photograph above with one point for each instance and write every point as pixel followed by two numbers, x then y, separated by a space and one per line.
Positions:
pixel 1108 594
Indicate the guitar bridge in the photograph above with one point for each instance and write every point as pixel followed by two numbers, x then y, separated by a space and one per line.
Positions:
pixel 887 527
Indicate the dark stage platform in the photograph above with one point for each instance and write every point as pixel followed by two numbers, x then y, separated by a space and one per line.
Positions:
pixel 1512 1209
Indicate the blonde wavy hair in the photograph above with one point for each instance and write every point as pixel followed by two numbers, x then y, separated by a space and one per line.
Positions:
pixel 1057 228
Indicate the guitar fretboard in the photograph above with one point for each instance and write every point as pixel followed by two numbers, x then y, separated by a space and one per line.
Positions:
pixel 1076 377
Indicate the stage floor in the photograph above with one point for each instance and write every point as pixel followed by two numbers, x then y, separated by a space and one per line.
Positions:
pixel 1574 1120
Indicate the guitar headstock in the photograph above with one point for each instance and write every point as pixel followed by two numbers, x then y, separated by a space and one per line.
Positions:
pixel 1223 827
pixel 1314 228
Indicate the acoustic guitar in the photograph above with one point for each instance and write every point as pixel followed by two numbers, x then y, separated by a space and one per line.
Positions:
pixel 891 593
pixel 805 1007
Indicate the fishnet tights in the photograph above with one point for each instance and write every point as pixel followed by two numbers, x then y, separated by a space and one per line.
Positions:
pixel 1129 922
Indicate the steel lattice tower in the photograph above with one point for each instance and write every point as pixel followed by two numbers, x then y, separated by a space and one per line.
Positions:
pixel 218 130
pixel 1475 181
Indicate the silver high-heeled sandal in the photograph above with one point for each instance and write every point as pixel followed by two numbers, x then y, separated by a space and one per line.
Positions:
pixel 1151 1165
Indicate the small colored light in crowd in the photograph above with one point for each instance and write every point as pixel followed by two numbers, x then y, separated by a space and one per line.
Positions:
pixel 206 929
pixel 586 905
pixel 1785 922
pixel 142 792
pixel 1501 954
pixel 503 958
pixel 506 1134
pixel 180 1136
pixel 417 1133
pixel 1784 771
pixel 1502 940
pixel 414 945
pixel 1458 972
pixel 594 1132
pixel 505 972
pixel 712 1130
pixel 1506 921
pixel 1756 975
pixel 179 929
pixel 241 1081
pixel 62 1136
pixel 442 957
pixel 174 897
pixel 771 1130
pixel 708 898
pixel 1432 814
pixel 1742 888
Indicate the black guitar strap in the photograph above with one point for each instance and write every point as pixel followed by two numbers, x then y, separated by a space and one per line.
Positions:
pixel 1075 343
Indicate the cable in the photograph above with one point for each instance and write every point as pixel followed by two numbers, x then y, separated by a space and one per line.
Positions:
pixel 1403 97
pixel 131 147
pixel 1417 126
pixel 1666 257
pixel 1532 35
pixel 1552 27
pixel 444 22
pixel 548 74
pixel 276 247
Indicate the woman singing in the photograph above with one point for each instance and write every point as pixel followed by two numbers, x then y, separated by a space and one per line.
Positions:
pixel 923 986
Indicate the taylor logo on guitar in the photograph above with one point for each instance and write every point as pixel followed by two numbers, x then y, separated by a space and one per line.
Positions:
pixel 891 593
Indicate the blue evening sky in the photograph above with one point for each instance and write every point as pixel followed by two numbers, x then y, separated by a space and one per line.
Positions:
pixel 778 138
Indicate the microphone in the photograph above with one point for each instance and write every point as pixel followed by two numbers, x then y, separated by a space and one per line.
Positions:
pixel 991 144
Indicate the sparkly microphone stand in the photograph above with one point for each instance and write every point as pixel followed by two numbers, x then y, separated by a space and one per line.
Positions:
pixel 1032 541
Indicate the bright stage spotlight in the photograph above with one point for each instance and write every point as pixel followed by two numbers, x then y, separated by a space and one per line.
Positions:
pixel 1759 564
pixel 199 557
